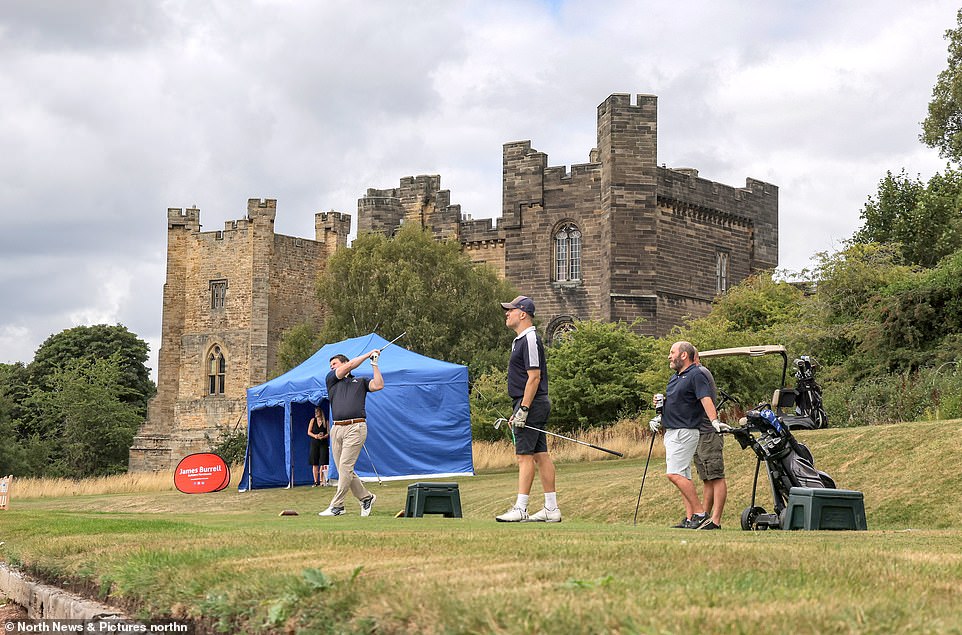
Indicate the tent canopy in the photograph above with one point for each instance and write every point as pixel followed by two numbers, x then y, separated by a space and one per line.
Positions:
pixel 419 424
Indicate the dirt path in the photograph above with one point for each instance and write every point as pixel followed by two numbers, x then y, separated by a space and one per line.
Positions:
pixel 10 611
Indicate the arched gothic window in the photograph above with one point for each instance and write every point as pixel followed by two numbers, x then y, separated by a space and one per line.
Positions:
pixel 567 253
pixel 216 371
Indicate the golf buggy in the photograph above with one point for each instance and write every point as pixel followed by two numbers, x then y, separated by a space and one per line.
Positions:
pixel 799 407
pixel 767 432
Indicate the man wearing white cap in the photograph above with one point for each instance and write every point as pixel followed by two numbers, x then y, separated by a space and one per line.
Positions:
pixel 528 389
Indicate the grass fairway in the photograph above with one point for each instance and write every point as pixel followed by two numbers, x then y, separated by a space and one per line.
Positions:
pixel 230 561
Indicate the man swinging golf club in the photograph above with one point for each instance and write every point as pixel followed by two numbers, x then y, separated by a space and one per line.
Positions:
pixel 528 389
pixel 347 394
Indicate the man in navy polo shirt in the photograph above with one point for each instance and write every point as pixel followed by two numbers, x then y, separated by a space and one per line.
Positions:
pixel 347 395
pixel 688 398
pixel 528 389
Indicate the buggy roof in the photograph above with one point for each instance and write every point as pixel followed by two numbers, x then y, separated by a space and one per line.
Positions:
pixel 752 351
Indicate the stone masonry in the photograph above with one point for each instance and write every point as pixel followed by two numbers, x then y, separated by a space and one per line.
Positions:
pixel 652 238
pixel 269 280
pixel 656 245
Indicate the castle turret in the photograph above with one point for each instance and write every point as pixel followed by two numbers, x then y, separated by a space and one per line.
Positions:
pixel 627 150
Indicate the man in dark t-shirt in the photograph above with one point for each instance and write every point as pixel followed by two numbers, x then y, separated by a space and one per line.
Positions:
pixel 687 399
pixel 347 395
pixel 528 389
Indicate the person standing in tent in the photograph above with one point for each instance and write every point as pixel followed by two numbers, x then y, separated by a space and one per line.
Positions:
pixel 319 432
pixel 347 395
pixel 528 389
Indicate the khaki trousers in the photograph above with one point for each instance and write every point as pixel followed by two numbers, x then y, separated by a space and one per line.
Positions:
pixel 346 444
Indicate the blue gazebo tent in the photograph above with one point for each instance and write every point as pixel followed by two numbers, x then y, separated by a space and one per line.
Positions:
pixel 419 425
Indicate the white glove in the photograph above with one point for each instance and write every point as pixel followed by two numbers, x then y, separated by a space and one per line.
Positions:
pixel 374 356
pixel 520 417
pixel 655 424
pixel 720 427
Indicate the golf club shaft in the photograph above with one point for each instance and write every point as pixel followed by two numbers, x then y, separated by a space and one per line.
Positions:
pixel 590 445
pixel 394 340
pixel 372 465
pixel 643 476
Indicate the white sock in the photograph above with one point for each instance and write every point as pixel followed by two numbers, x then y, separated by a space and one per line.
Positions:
pixel 522 501
pixel 550 500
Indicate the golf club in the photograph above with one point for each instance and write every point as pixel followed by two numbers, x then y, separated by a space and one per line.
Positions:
pixel 497 425
pixel 394 340
pixel 379 482
pixel 643 476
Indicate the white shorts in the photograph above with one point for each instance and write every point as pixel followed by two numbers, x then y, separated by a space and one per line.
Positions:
pixel 680 446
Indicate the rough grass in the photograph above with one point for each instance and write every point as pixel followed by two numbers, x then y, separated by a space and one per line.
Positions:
pixel 229 561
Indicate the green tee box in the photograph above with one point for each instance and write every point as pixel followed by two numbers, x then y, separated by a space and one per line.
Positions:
pixel 433 498
pixel 815 508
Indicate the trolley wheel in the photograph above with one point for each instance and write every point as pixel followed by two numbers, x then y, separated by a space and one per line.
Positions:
pixel 749 516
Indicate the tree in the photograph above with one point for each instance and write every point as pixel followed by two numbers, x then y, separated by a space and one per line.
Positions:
pixel 448 306
pixel 924 220
pixel 93 423
pixel 942 128
pixel 297 344
pixel 595 375
pixel 97 342
pixel 13 389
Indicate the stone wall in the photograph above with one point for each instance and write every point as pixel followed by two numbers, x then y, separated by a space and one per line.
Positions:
pixel 270 287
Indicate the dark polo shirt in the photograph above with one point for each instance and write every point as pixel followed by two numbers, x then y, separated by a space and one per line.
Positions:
pixel 683 407
pixel 347 396
pixel 527 353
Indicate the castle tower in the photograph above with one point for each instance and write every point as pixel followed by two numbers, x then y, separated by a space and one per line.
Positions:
pixel 228 297
pixel 628 151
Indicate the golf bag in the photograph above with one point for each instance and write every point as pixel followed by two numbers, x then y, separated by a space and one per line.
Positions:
pixel 789 463
pixel 809 412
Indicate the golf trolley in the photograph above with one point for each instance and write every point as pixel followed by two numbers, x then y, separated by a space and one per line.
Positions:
pixel 789 462
pixel 767 431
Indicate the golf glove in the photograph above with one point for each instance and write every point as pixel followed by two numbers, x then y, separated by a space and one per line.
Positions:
pixel 720 427
pixel 374 356
pixel 655 424
pixel 520 417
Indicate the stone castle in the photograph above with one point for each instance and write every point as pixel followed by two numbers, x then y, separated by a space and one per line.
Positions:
pixel 615 239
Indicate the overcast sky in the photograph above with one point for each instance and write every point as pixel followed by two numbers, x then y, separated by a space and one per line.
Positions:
pixel 113 111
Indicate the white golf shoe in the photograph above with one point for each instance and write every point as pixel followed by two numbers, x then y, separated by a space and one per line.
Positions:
pixel 367 504
pixel 332 511
pixel 545 516
pixel 513 515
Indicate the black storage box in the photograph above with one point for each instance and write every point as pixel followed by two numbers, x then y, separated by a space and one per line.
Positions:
pixel 433 498
pixel 816 508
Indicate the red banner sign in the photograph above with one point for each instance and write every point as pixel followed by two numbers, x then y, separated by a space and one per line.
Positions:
pixel 201 473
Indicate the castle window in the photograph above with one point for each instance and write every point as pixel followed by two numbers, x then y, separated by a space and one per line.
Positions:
pixel 721 272
pixel 218 293
pixel 216 371
pixel 567 251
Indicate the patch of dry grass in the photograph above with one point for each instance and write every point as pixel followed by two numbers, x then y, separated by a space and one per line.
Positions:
pixel 628 436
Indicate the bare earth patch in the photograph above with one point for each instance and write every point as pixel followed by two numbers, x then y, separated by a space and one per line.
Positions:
pixel 10 611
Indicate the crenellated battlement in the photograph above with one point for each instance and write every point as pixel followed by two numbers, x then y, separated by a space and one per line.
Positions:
pixel 189 218
pixel 332 228
pixel 262 208
pixel 417 199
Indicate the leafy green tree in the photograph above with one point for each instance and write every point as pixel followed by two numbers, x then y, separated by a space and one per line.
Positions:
pixel 489 401
pixel 923 219
pixel 297 344
pixel 942 128
pixel 917 322
pixel 448 306
pixel 93 423
pixel 100 341
pixel 595 375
